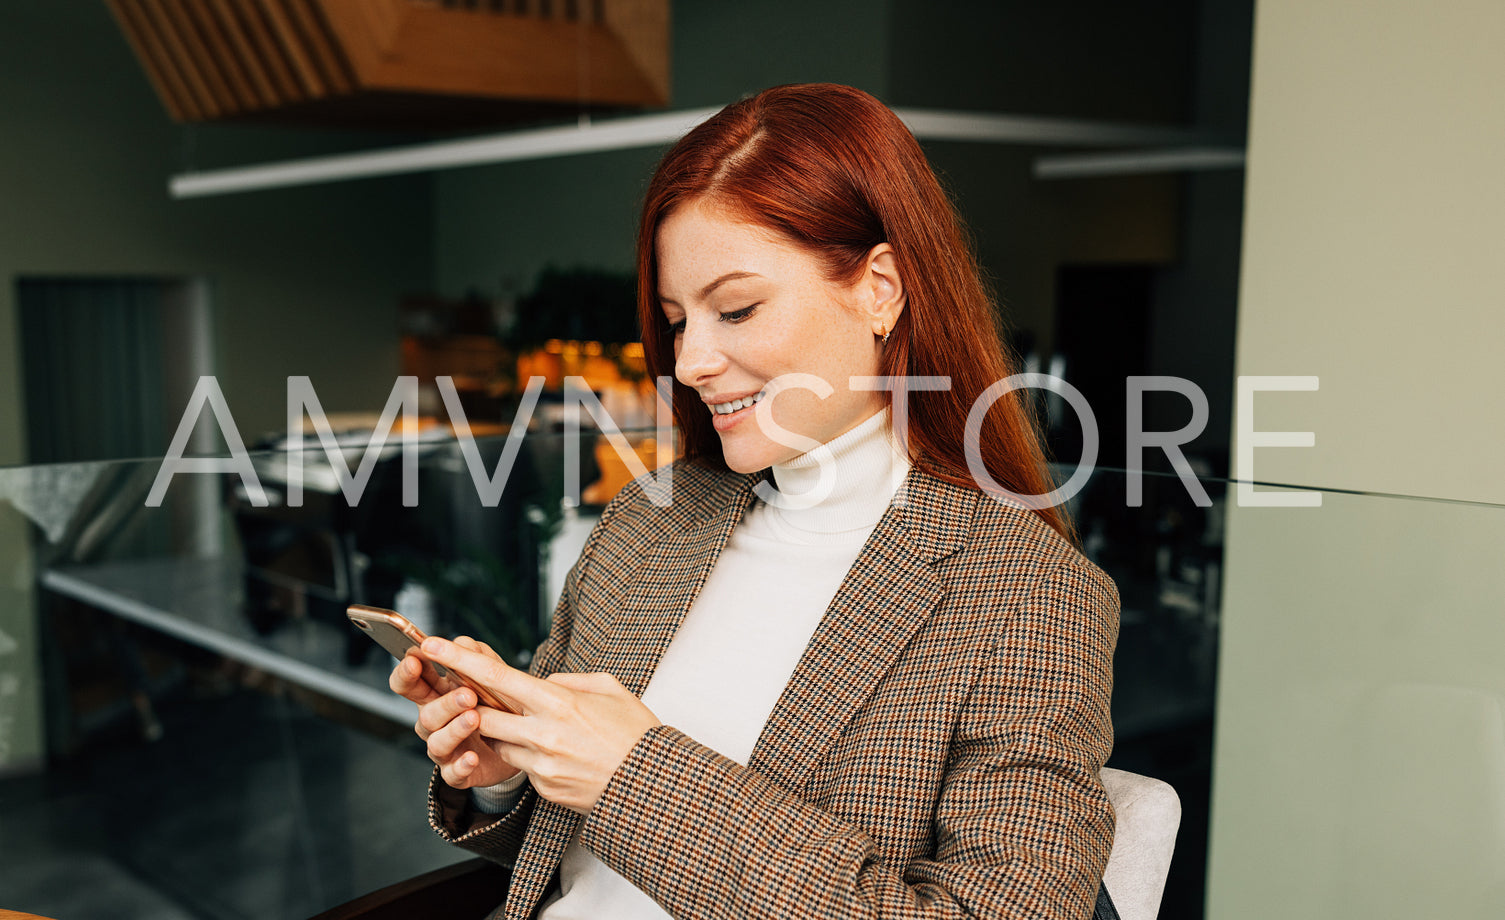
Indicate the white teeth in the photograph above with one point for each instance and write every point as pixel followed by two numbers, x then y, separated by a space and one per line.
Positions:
pixel 727 408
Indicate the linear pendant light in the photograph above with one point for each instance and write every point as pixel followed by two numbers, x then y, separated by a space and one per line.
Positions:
pixel 1130 162
pixel 648 131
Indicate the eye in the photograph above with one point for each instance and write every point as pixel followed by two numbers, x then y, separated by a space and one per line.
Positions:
pixel 737 316
pixel 677 329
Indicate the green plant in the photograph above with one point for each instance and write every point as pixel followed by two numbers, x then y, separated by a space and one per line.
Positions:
pixel 477 595
pixel 577 303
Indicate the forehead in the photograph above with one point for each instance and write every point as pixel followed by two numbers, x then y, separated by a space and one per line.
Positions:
pixel 699 242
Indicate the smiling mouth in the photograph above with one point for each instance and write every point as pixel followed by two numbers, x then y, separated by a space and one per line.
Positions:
pixel 727 408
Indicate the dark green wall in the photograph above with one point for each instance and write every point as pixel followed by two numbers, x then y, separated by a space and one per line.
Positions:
pixel 1102 59
pixel 1196 308
pixel 497 226
pixel 1089 59
pixel 304 281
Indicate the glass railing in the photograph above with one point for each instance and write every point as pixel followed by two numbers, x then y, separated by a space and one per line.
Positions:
pixel 1320 684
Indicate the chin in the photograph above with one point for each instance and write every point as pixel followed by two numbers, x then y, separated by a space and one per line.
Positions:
pixel 750 458
pixel 742 462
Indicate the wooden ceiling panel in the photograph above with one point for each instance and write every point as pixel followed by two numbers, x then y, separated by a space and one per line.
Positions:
pixel 257 32
pixel 290 43
pixel 327 56
pixel 219 53
pixel 257 74
pixel 343 61
pixel 157 17
pixel 523 57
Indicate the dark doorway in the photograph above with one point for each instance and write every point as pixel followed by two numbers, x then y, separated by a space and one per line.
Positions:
pixel 1102 336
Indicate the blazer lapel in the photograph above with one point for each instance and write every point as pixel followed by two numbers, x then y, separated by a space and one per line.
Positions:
pixel 695 533
pixel 891 590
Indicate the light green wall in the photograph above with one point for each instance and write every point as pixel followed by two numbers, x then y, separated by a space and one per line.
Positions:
pixel 304 281
pixel 1360 758
pixel 1375 215
pixel 1360 752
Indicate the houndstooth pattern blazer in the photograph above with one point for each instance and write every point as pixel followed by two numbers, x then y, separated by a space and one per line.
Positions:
pixel 934 754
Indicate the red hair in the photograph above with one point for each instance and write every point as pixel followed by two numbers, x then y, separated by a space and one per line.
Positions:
pixel 835 171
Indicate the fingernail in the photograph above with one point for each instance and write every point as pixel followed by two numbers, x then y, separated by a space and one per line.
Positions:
pixel 433 646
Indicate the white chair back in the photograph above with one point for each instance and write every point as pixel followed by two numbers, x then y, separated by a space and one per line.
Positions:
pixel 1148 815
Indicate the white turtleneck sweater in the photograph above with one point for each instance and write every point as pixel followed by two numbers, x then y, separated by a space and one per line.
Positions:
pixel 726 667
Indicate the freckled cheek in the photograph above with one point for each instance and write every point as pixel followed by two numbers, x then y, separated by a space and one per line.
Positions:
pixel 818 359
pixel 801 412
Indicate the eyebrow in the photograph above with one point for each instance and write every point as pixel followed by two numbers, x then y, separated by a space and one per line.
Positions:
pixel 706 291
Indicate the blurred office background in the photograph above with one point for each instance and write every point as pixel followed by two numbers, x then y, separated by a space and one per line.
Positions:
pixel 187 728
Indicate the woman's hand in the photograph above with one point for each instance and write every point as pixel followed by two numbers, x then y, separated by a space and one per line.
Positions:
pixel 447 721
pixel 574 731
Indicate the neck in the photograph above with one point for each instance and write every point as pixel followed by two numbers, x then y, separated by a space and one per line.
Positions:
pixel 864 468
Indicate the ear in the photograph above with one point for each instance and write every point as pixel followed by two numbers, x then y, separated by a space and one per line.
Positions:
pixel 883 288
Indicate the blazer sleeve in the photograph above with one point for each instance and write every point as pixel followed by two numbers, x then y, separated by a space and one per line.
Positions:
pixel 1022 825
pixel 499 836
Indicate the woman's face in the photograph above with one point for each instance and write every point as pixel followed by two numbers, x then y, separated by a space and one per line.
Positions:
pixel 748 307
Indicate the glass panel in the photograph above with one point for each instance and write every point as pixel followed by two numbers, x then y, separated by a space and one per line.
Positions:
pixel 1346 654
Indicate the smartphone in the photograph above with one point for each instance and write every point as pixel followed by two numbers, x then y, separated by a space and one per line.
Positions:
pixel 396 633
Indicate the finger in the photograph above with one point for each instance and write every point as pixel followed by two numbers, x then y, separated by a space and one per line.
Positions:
pixel 588 683
pixel 503 681
pixel 457 771
pixel 443 710
pixel 456 774
pixel 407 680
pixel 515 754
pixel 444 742
pixel 507 729
pixel 476 645
pixel 469 643
pixel 441 684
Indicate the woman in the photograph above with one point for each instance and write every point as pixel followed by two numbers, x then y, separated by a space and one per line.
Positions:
pixel 831 677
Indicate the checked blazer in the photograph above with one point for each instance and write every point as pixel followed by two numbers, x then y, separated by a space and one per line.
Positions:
pixel 934 754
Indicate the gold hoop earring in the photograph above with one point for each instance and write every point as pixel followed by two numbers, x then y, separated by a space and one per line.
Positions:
pixel 884 333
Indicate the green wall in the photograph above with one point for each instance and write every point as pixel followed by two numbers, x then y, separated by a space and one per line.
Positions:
pixel 498 226
pixel 304 281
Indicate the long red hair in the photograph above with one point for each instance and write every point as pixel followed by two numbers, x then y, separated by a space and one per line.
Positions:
pixel 834 170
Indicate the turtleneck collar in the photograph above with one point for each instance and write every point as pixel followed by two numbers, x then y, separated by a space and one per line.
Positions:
pixel 867 468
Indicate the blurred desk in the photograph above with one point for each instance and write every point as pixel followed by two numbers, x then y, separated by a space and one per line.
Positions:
pixel 200 602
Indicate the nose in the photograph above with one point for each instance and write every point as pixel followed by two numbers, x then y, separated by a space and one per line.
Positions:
pixel 697 355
